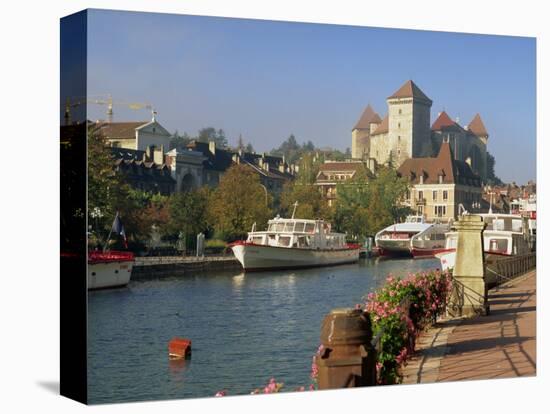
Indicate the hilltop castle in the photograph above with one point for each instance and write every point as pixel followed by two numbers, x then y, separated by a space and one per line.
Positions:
pixel 405 133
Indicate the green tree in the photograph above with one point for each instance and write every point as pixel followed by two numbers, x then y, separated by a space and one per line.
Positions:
pixel 187 212
pixel 308 167
pixel 107 191
pixel 238 202
pixel 352 200
pixel 385 199
pixel 311 203
pixel 179 141
pixel 209 134
pixel 492 179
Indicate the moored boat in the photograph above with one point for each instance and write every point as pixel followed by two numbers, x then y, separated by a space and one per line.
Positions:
pixel 504 235
pixel 109 269
pixel 293 244
pixel 414 238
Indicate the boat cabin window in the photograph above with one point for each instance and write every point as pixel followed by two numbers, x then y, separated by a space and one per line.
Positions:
pixel 289 227
pixel 310 227
pixel 257 239
pixel 498 245
pixel 284 241
pixel 300 225
pixel 503 224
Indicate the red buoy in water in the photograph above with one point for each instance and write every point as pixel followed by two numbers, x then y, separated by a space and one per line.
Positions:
pixel 179 348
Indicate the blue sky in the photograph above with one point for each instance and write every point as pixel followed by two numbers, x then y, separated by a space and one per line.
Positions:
pixel 266 80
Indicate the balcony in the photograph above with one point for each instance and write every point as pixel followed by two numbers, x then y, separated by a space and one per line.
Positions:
pixel 420 201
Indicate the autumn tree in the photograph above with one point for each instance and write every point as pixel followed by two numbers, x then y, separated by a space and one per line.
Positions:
pixel 238 202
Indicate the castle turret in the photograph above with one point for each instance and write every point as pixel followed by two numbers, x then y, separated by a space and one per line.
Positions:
pixel 479 149
pixel 477 128
pixel 360 134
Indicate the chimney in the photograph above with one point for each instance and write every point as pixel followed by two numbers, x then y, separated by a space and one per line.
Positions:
pixel 149 151
pixel 282 167
pixel 158 155
pixel 212 147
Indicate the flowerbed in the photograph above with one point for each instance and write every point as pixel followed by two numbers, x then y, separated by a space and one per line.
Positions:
pixel 399 311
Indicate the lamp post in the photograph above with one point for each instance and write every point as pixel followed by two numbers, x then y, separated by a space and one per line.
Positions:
pixel 96 214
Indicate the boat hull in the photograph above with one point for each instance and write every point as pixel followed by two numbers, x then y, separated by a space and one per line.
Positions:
pixel 419 253
pixel 448 257
pixel 393 247
pixel 255 257
pixel 109 270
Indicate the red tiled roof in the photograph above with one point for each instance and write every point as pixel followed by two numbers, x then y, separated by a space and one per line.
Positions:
pixel 382 128
pixel 340 166
pixel 368 117
pixel 409 90
pixel 442 121
pixel 476 126
pixel 453 171
pixel 120 129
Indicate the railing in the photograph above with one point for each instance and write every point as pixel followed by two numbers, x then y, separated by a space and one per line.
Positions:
pixel 501 270
pixel 162 260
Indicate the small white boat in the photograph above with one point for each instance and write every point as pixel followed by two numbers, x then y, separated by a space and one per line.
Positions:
pixel 504 235
pixel 109 269
pixel 413 237
pixel 292 244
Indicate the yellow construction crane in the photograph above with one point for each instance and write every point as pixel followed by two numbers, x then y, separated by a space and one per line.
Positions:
pixel 103 100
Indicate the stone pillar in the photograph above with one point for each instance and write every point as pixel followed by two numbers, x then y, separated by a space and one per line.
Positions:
pixel 469 292
pixel 348 358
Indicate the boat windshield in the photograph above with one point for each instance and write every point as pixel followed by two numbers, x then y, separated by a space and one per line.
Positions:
pixel 414 219
pixel 503 223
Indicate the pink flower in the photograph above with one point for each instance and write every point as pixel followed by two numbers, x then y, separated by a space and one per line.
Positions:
pixel 222 393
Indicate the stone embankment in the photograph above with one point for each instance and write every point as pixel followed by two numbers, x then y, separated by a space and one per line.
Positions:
pixel 168 266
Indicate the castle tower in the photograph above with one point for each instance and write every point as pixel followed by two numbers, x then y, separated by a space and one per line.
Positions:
pixel 409 132
pixel 479 147
pixel 360 134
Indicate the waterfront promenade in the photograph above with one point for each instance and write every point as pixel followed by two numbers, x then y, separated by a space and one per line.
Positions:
pixel 500 345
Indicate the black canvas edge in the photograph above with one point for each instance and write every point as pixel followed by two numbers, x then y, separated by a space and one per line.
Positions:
pixel 73 202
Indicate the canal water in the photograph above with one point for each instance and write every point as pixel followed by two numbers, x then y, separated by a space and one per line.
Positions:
pixel 245 329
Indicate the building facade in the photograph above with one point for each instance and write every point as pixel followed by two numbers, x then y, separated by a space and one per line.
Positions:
pixel 405 132
pixel 331 173
pixel 440 185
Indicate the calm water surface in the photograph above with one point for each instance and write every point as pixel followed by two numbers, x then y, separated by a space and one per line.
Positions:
pixel 245 328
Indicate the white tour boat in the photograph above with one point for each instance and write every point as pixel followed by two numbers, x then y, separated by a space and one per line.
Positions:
pixel 413 237
pixel 504 235
pixel 292 244
pixel 109 269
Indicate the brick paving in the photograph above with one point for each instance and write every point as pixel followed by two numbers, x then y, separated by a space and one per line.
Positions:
pixel 500 345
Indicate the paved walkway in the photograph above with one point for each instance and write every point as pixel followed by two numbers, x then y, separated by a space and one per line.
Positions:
pixel 500 345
